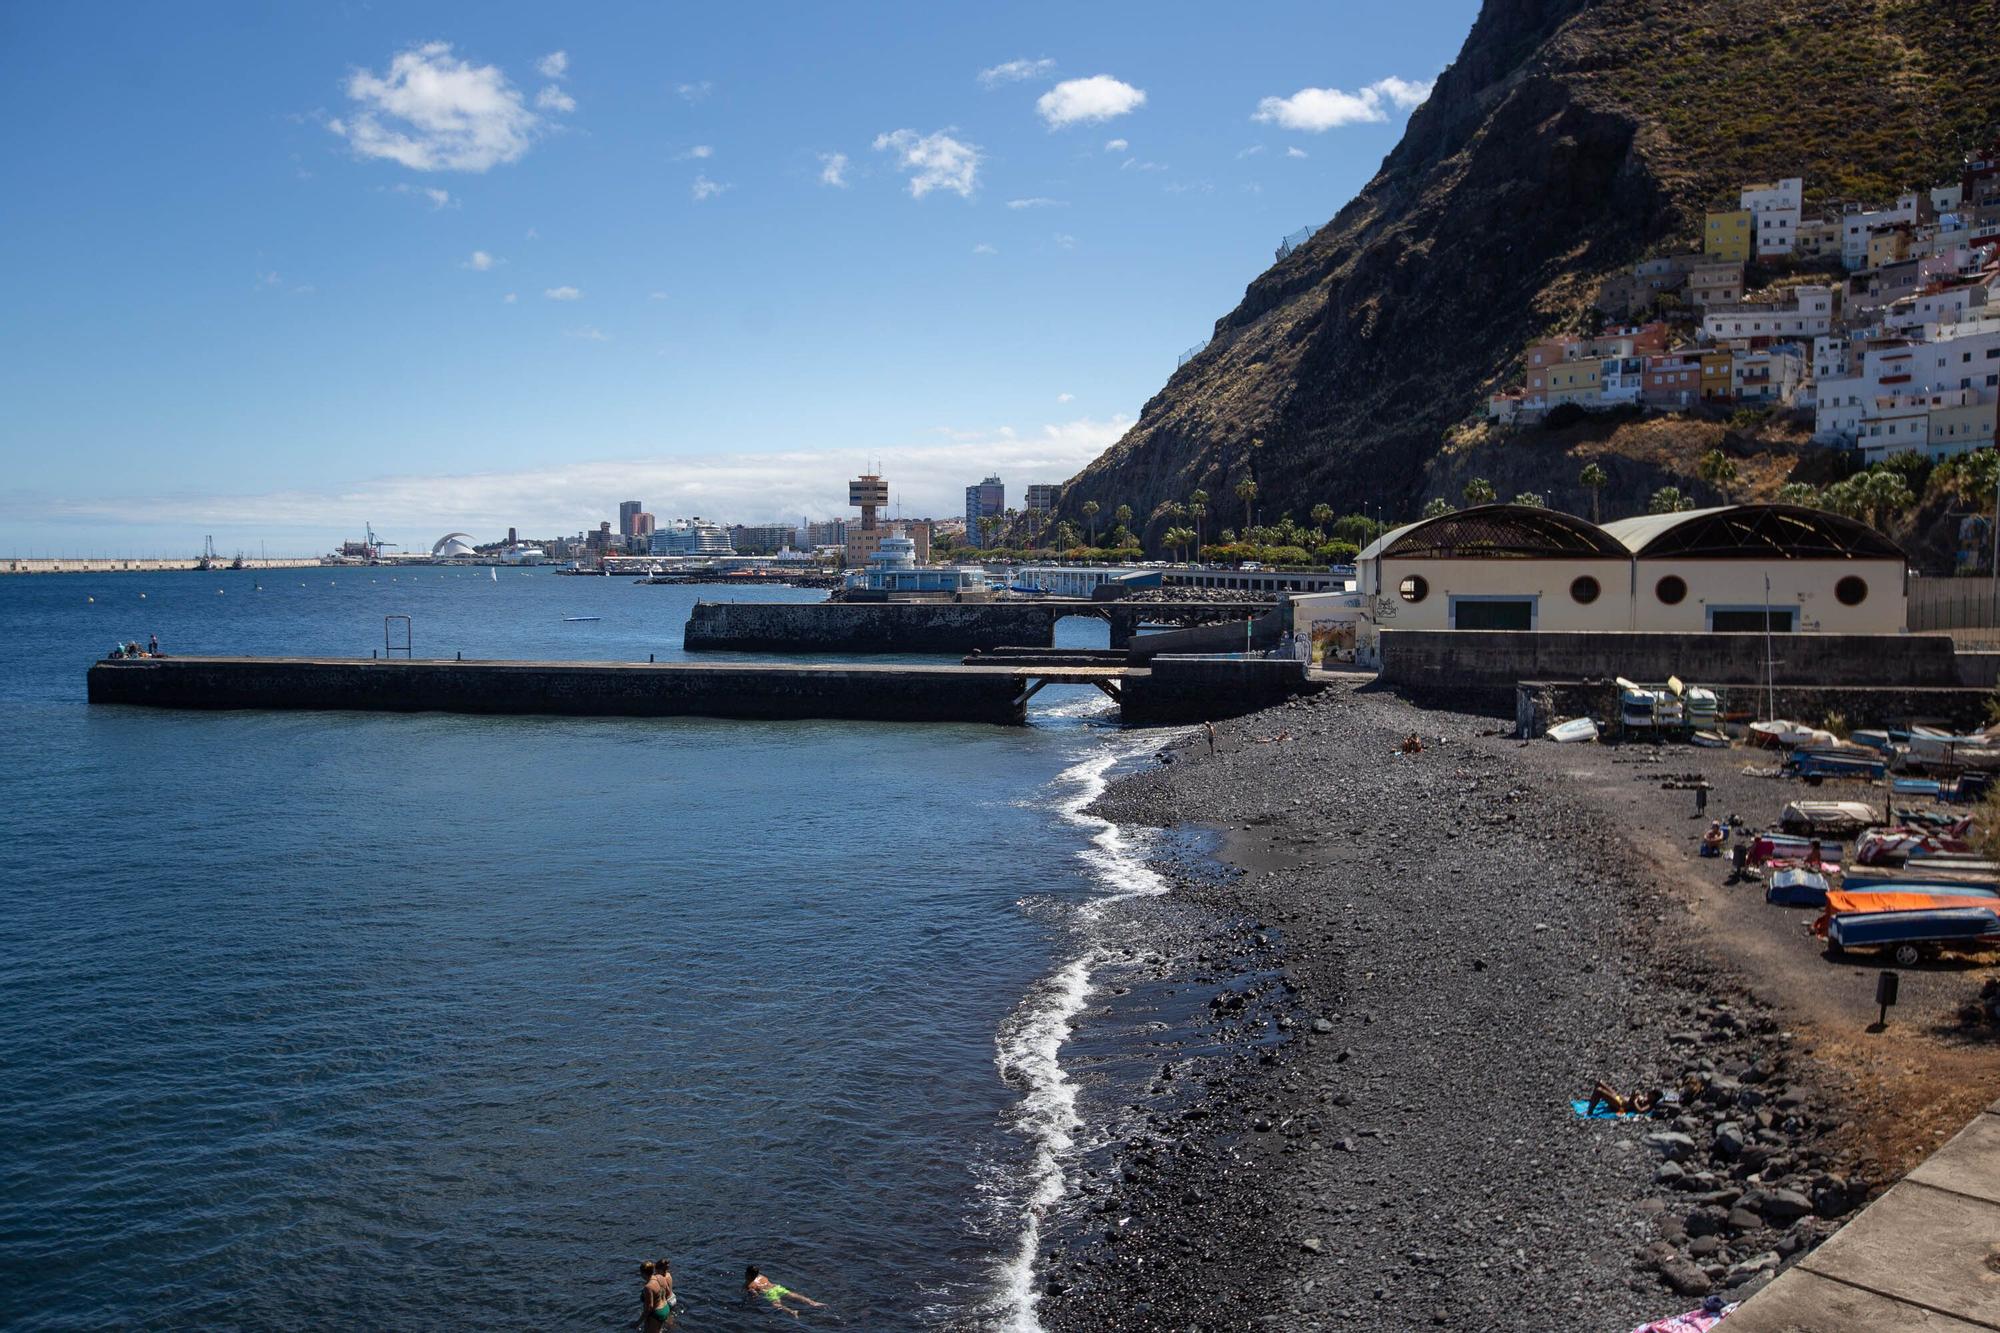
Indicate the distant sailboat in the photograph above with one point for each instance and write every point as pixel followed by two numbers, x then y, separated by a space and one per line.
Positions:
pixel 494 572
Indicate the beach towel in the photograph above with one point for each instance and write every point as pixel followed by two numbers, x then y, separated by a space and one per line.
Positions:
pixel 1694 1321
pixel 1583 1112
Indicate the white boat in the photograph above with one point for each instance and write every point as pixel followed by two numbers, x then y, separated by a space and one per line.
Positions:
pixel 1576 729
pixel 1839 819
pixel 1638 707
pixel 1707 739
pixel 577 620
pixel 494 572
pixel 1786 735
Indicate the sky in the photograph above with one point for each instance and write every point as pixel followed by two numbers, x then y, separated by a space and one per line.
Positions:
pixel 273 272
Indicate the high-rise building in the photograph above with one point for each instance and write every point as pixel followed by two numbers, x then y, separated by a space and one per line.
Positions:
pixel 627 511
pixel 1043 496
pixel 830 532
pixel 988 499
pixel 691 536
pixel 762 538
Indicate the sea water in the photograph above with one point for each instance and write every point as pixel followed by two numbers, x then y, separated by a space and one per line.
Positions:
pixel 397 1021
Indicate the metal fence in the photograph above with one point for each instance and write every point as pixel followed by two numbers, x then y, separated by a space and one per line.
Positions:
pixel 1294 241
pixel 1191 353
pixel 1968 609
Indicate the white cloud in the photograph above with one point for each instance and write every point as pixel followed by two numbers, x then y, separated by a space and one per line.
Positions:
pixel 699 152
pixel 566 496
pixel 1296 152
pixel 1065 397
pixel 1116 145
pixel 833 170
pixel 532 235
pixel 694 92
pixel 429 193
pixel 984 249
pixel 553 65
pixel 510 298
pixel 1314 110
pixel 479 262
pixel 705 189
pixel 656 296
pixel 553 98
pixel 1079 101
pixel 1065 241
pixel 563 294
pixel 1014 71
pixel 1136 164
pixel 589 333
pixel 934 161
pixel 435 112
pixel 1252 151
pixel 1038 202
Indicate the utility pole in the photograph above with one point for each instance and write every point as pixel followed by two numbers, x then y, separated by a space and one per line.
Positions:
pixel 1770 676
pixel 1993 566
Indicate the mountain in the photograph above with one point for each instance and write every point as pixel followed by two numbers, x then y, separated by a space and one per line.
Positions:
pixel 1568 140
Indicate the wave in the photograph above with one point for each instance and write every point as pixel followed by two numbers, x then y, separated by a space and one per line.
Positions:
pixel 1029 1045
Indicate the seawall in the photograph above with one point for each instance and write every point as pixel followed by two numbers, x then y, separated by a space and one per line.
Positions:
pixel 116 565
pixel 1488 659
pixel 623 689
pixel 956 628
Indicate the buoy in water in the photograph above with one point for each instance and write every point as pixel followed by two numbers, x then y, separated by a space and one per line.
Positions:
pixel 90 599
pixel 142 597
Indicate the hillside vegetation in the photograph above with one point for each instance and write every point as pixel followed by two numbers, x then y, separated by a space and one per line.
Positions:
pixel 1567 141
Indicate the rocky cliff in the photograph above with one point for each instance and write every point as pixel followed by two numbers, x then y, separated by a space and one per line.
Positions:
pixel 1568 140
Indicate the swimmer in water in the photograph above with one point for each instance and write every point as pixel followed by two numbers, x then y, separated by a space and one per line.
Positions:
pixel 757 1284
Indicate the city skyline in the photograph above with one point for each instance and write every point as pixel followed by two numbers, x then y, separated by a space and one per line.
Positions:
pixel 442 271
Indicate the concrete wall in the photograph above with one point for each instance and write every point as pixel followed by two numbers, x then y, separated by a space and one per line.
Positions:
pixel 1428 660
pixel 895 694
pixel 1200 689
pixel 870 627
pixel 1540 703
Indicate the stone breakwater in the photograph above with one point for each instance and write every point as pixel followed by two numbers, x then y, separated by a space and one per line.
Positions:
pixel 1381 1137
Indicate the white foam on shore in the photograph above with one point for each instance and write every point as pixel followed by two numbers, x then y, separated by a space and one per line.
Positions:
pixel 1029 1047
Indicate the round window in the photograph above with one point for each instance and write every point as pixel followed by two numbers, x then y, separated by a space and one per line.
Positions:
pixel 1671 589
pixel 1852 590
pixel 1584 590
pixel 1413 588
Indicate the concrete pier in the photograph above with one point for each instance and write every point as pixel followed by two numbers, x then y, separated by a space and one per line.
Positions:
pixel 955 628
pixel 1172 690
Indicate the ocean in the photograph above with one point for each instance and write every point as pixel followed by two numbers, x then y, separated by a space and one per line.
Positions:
pixel 383 1021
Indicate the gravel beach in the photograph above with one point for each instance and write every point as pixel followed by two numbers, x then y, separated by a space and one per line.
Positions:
pixel 1438 952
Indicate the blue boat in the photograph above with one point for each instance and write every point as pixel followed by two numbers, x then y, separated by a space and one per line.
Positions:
pixel 1917 786
pixel 1796 887
pixel 1911 937
pixel 1811 764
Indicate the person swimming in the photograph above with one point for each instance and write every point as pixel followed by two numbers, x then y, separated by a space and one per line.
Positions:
pixel 757 1284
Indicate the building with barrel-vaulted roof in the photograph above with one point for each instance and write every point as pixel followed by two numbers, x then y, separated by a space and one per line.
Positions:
pixel 1732 569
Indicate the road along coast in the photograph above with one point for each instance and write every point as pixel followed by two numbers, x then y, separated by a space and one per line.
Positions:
pixel 1380 1134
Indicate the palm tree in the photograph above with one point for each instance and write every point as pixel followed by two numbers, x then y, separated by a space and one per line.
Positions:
pixel 1123 513
pixel 1437 508
pixel 1668 500
pixel 1717 470
pixel 1178 540
pixel 1246 491
pixel 1322 514
pixel 1531 500
pixel 1593 478
pixel 1090 510
pixel 1798 493
pixel 1197 510
pixel 1479 491
pixel 987 527
pixel 1883 492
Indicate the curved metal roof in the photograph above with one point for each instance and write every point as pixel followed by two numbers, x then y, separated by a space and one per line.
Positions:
pixel 1753 532
pixel 1499 532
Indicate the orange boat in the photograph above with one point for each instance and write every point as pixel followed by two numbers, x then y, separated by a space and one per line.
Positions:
pixel 1839 901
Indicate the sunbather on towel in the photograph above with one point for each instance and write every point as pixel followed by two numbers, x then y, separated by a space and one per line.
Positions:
pixel 1639 1103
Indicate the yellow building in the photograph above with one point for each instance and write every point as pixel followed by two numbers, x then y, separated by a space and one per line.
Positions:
pixel 1731 235
pixel 1888 245
pixel 1576 382
pixel 1718 373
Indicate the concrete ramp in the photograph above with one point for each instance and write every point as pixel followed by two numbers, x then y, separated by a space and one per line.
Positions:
pixel 1924 1256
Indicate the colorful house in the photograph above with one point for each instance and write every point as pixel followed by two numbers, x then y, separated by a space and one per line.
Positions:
pixel 1729 235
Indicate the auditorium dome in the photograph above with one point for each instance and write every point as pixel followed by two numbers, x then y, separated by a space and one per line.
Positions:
pixel 453 546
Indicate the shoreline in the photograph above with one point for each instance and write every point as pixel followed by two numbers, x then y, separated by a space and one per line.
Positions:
pixel 1379 1135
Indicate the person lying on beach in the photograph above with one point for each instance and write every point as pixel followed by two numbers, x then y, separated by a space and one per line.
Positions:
pixel 757 1284
pixel 1604 1095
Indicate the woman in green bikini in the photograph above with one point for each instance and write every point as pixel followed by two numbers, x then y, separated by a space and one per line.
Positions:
pixel 757 1284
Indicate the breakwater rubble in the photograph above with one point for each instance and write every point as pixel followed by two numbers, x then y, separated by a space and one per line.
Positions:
pixel 1379 1135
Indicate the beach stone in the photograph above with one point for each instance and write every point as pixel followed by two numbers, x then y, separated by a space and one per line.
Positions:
pixel 1668 1174
pixel 1683 1277
pixel 1780 1204
pixel 1706 1220
pixel 1671 1144
pixel 1322 1026
pixel 1704 1246
pixel 1312 1245
pixel 1729 1140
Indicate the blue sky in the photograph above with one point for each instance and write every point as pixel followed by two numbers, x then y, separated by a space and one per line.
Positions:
pixel 297 267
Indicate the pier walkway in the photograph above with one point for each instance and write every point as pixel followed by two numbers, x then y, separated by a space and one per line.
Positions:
pixel 1926 1255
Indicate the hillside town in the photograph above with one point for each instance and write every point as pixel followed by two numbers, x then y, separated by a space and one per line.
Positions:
pixel 1881 322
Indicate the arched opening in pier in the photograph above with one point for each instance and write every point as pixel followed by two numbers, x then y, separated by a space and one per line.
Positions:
pixel 1083 631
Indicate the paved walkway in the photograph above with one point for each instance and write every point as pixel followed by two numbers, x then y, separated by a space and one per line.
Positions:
pixel 1925 1256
